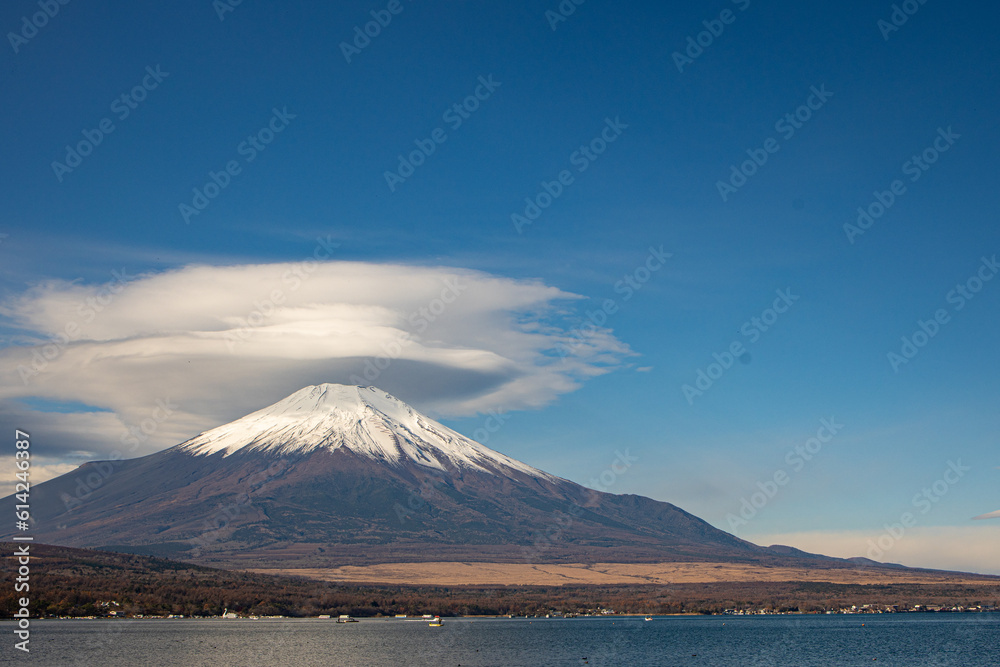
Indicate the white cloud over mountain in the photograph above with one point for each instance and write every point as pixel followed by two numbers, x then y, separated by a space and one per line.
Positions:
pixel 167 355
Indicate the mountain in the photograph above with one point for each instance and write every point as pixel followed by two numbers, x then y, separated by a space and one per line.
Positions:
pixel 338 474
pixel 361 420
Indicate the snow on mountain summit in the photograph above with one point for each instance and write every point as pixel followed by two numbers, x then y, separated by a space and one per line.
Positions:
pixel 364 420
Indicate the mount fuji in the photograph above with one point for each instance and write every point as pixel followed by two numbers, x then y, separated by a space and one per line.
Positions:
pixel 361 420
pixel 337 474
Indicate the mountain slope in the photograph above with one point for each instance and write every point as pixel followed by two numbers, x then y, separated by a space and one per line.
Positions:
pixel 338 475
pixel 364 420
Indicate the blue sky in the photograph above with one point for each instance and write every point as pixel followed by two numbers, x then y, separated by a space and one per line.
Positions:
pixel 319 189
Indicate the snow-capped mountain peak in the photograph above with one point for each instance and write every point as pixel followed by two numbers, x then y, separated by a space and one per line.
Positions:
pixel 364 420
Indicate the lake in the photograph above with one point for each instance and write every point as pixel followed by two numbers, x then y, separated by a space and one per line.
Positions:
pixel 896 639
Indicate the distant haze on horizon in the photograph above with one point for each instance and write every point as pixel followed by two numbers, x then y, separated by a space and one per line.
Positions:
pixel 750 247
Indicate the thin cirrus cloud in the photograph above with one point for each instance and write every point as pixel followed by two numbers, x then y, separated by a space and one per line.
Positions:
pixel 163 356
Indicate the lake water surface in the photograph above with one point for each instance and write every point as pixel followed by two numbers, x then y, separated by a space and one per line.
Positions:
pixel 901 639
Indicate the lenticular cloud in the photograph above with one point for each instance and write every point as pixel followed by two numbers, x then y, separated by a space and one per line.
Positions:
pixel 220 342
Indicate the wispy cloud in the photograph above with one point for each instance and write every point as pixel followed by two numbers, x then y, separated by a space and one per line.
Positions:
pixel 219 342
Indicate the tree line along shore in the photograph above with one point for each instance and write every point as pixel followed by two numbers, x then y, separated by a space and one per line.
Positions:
pixel 85 583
